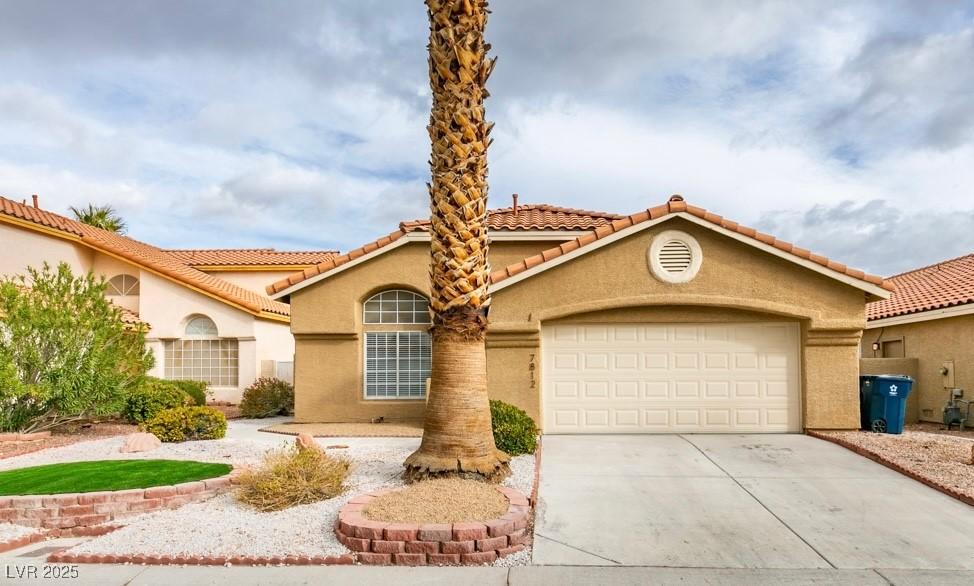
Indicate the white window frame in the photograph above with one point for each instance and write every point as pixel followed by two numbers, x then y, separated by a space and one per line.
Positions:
pixel 128 283
pixel 407 320
pixel 228 361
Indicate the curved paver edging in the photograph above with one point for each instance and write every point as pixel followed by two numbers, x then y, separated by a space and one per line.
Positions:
pixel 894 466
pixel 420 544
pixel 197 560
pixel 85 509
pixel 24 437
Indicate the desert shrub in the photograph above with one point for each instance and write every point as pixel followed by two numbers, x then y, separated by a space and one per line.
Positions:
pixel 267 397
pixel 197 390
pixel 291 477
pixel 514 430
pixel 182 424
pixel 65 353
pixel 151 397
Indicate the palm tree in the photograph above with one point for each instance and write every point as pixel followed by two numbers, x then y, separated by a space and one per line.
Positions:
pixel 104 217
pixel 457 437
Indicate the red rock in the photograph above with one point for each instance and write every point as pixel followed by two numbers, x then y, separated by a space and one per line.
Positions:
pixel 140 442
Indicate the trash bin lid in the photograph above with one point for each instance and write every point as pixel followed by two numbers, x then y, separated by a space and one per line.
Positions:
pixel 893 377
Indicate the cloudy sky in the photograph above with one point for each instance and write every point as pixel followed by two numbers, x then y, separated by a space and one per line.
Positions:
pixel 847 127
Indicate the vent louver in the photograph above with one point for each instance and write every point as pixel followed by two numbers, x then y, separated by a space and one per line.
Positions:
pixel 675 257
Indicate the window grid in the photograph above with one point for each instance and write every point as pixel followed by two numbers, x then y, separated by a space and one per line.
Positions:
pixel 212 361
pixel 201 327
pixel 397 307
pixel 121 285
pixel 397 365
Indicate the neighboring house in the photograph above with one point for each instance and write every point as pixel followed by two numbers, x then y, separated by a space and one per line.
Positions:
pixel 930 320
pixel 669 320
pixel 202 326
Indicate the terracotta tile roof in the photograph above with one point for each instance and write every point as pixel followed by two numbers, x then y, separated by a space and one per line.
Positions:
pixel 265 257
pixel 526 217
pixel 538 217
pixel 676 204
pixel 147 256
pixel 130 318
pixel 945 284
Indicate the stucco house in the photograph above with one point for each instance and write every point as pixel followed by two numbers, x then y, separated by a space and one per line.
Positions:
pixel 206 311
pixel 672 319
pixel 926 330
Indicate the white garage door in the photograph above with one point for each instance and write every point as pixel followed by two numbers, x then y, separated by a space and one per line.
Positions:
pixel 686 378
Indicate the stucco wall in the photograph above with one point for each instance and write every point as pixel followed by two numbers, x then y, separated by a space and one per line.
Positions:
pixel 613 283
pixel 168 307
pixel 902 366
pixel 108 267
pixel 932 343
pixel 504 252
pixel 23 248
pixel 256 281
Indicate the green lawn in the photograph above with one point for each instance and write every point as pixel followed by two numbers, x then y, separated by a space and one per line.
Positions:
pixel 105 475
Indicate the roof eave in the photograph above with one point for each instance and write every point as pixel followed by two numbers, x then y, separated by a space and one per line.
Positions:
pixel 866 286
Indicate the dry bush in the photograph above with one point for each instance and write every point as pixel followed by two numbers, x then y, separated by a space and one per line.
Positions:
pixel 291 477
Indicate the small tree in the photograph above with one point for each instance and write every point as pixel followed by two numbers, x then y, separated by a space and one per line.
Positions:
pixel 65 353
pixel 104 217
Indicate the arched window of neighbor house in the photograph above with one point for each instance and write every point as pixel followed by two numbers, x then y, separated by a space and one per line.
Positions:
pixel 202 355
pixel 122 285
pixel 397 345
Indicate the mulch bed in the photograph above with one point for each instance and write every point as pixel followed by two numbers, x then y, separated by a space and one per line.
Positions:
pixel 444 500
pixel 398 429
pixel 67 435
pixel 938 428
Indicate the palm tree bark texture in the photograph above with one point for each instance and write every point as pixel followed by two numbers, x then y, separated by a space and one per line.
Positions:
pixel 457 436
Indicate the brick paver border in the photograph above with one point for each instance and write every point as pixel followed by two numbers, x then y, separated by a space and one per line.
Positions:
pixel 420 544
pixel 894 466
pixel 65 512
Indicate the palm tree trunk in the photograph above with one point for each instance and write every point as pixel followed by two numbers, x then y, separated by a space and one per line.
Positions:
pixel 457 436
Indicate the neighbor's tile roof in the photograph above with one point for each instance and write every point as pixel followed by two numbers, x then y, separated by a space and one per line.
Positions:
pixel 676 204
pixel 525 217
pixel 537 217
pixel 147 256
pixel 268 257
pixel 130 318
pixel 938 286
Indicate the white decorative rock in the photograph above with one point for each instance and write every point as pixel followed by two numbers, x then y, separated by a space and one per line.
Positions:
pixel 140 442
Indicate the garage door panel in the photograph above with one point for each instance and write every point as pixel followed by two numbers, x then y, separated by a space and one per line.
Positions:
pixel 638 378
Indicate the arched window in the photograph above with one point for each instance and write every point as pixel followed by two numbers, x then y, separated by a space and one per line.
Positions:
pixel 121 285
pixel 397 307
pixel 202 355
pixel 397 345
pixel 201 327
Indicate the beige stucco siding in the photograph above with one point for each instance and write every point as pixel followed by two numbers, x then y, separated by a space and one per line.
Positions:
pixel 901 366
pixel 24 248
pixel 256 281
pixel 932 343
pixel 611 283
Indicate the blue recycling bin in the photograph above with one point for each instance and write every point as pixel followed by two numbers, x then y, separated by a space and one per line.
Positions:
pixel 882 402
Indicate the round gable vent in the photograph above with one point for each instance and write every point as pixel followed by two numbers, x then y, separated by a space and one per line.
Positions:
pixel 674 257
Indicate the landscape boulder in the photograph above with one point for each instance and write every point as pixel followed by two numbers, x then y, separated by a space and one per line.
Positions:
pixel 140 442
pixel 305 441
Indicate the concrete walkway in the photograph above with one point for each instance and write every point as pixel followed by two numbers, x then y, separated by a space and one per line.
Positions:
pixel 739 501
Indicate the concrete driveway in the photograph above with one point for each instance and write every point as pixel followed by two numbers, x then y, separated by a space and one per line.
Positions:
pixel 739 501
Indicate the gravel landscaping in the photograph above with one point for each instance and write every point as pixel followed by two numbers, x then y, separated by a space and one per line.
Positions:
pixel 224 527
pixel 443 500
pixel 65 436
pixel 10 532
pixel 945 459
